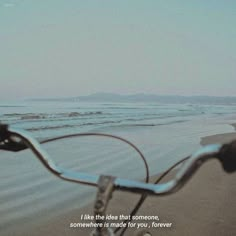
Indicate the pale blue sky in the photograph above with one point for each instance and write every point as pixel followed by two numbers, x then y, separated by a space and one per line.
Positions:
pixel 68 47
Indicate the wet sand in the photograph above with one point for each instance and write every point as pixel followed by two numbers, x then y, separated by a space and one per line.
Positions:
pixel 205 206
pixel 219 138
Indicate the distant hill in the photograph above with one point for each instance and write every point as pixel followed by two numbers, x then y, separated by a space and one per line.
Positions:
pixel 111 97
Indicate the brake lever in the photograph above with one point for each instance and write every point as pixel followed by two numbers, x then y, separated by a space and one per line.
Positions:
pixel 7 143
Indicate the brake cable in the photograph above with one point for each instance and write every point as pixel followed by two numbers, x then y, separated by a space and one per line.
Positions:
pixel 144 196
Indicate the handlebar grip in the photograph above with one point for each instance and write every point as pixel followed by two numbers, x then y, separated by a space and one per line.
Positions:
pixel 227 157
pixel 8 144
pixel 3 132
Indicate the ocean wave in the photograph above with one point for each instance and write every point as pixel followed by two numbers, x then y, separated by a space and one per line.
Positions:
pixel 10 106
pixel 32 117
pixel 65 126
pixel 42 116
pixel 12 114
pixel 124 108
pixel 148 124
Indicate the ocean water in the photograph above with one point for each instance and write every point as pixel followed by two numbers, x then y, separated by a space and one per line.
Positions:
pixel 49 119
pixel 163 132
pixel 31 196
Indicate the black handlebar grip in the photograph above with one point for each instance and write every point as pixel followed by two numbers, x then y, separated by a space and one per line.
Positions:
pixel 6 143
pixel 3 132
pixel 227 157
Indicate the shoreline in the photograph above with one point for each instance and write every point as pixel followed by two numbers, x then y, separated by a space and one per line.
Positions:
pixel 219 138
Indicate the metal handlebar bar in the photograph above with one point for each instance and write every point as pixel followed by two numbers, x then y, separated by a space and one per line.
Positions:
pixel 15 140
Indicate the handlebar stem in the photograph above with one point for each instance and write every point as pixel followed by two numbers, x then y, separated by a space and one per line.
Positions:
pixel 104 194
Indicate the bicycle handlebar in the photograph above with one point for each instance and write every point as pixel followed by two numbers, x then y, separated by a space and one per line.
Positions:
pixel 15 140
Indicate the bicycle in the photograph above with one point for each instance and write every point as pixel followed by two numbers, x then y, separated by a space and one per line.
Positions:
pixel 16 140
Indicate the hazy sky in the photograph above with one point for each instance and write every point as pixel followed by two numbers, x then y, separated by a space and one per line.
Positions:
pixel 69 47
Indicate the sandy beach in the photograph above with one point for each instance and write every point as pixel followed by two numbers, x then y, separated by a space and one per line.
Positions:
pixel 219 138
pixel 205 206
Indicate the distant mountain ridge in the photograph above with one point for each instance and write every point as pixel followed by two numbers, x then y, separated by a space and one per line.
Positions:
pixel 140 97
